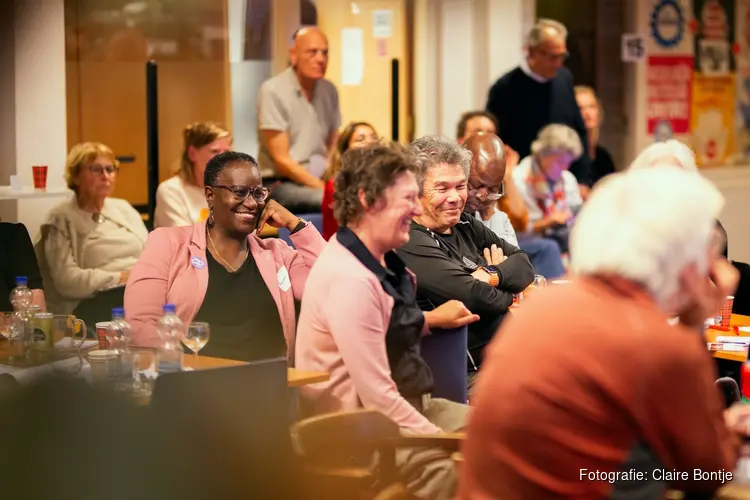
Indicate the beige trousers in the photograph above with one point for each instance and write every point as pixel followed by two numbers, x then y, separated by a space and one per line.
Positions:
pixel 437 480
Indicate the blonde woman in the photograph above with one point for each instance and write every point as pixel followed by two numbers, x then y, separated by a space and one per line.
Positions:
pixel 180 200
pixel 593 115
pixel 91 241
pixel 354 135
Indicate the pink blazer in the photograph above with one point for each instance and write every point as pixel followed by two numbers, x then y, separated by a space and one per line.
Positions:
pixel 342 328
pixel 172 270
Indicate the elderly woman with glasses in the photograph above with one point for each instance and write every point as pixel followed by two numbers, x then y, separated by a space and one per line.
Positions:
pixel 90 242
pixel 550 191
pixel 220 272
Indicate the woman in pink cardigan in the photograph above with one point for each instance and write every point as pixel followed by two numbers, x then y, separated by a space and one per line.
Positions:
pixel 360 321
pixel 221 272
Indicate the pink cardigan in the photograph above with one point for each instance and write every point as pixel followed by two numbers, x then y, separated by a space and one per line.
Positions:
pixel 342 327
pixel 172 270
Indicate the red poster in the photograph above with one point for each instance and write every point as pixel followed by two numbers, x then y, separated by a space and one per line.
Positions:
pixel 668 84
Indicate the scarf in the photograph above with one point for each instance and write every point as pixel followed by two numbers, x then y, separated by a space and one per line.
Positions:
pixel 549 196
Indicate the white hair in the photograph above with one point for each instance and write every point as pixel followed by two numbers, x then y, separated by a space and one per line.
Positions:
pixel 540 32
pixel 555 138
pixel 670 151
pixel 647 225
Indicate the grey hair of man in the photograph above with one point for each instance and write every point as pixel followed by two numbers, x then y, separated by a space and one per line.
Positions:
pixel 543 29
pixel 556 138
pixel 433 150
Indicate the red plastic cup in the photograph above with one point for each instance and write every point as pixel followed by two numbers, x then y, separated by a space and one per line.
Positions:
pixel 40 176
pixel 725 313
pixel 101 335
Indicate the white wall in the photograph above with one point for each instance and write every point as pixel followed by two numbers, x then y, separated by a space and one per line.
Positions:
pixel 35 108
pixel 461 47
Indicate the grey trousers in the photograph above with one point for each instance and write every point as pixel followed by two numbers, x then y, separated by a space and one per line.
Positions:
pixel 438 479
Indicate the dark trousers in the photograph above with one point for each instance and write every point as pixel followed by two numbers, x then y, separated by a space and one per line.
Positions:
pixel 99 307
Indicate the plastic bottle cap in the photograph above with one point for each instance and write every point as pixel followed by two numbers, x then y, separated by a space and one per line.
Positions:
pixel 118 312
pixel 169 308
pixel 21 280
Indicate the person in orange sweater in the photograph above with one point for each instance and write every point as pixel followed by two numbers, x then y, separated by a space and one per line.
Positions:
pixel 611 401
pixel 355 135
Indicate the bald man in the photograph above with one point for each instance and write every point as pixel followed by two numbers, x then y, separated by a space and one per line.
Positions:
pixel 298 122
pixel 486 187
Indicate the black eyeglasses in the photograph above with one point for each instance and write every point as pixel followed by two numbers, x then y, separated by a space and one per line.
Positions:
pixel 494 193
pixel 241 193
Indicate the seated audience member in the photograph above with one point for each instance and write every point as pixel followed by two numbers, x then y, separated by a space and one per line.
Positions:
pixel 17 259
pixel 669 152
pixel 219 271
pixel 608 376
pixel 593 114
pixel 180 200
pixel 453 255
pixel 91 241
pixel 355 135
pixel 486 186
pixel 360 321
pixel 298 121
pixel 550 191
pixel 511 203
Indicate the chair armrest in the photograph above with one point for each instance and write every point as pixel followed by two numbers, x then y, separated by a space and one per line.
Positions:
pixel 449 441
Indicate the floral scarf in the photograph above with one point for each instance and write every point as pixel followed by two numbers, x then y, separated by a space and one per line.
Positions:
pixel 550 197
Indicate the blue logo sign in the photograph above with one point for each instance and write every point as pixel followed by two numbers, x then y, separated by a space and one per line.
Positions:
pixel 668 23
pixel 197 263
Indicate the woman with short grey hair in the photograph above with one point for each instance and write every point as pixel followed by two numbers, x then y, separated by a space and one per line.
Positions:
pixel 550 191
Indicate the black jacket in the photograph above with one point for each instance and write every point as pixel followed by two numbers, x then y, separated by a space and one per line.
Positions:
pixel 410 372
pixel 443 265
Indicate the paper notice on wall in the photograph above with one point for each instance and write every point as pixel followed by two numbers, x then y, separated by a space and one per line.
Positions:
pixel 712 119
pixel 352 57
pixel 668 90
pixel 382 23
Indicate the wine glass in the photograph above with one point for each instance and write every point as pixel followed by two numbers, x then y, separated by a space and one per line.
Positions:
pixel 539 281
pixel 196 337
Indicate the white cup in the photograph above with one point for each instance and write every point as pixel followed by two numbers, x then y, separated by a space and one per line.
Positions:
pixel 102 365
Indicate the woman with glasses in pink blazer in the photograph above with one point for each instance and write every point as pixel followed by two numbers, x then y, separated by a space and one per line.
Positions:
pixel 222 273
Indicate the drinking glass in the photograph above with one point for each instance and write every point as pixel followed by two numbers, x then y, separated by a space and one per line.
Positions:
pixel 539 281
pixel 196 337
pixel 67 362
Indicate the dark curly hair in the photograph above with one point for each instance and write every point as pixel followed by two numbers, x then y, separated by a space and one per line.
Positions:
pixel 372 170
pixel 218 163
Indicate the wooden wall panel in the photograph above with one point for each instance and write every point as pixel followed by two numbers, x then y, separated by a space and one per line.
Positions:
pixel 106 83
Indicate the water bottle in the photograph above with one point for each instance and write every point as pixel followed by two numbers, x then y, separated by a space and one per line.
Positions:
pixel 171 330
pixel 20 296
pixel 119 335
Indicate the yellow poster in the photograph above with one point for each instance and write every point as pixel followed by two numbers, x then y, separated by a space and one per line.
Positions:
pixel 712 118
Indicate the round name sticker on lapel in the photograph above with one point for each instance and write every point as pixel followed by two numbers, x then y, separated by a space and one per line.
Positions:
pixel 198 263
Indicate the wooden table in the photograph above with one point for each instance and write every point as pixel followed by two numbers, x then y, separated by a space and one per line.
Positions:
pixel 738 356
pixel 295 376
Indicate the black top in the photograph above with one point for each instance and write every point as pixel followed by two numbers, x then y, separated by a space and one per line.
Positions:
pixel 243 317
pixel 410 372
pixel 524 106
pixel 17 258
pixel 444 263
pixel 602 165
